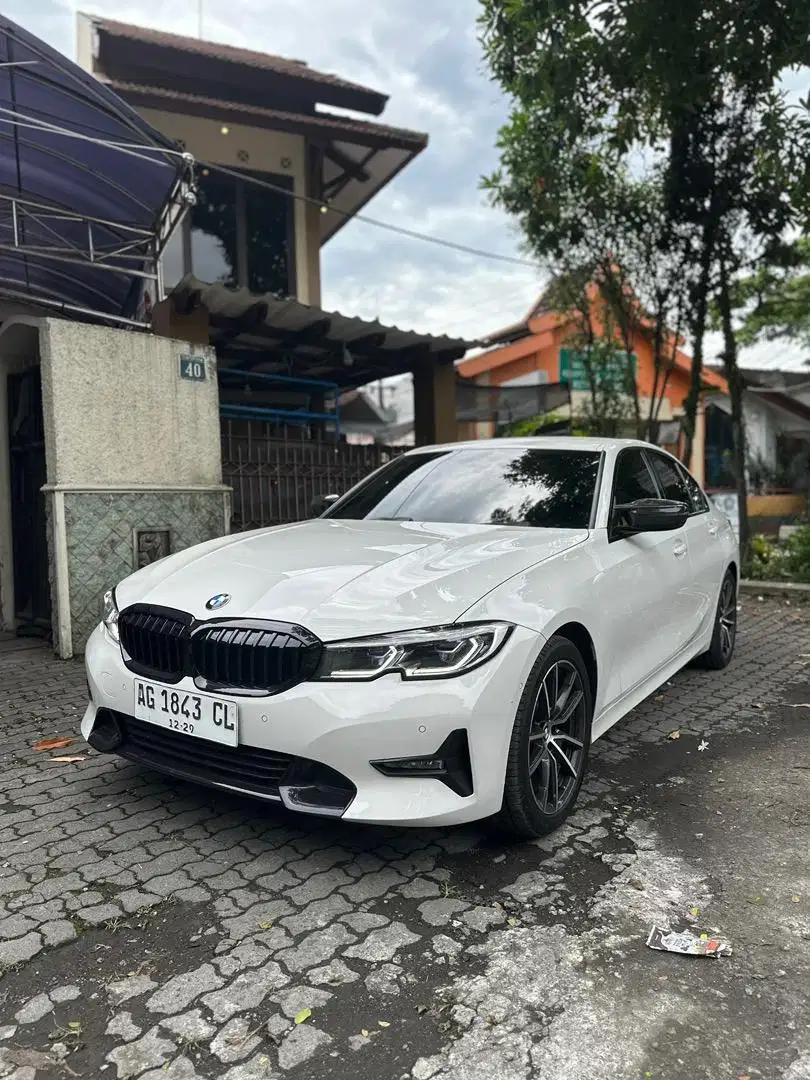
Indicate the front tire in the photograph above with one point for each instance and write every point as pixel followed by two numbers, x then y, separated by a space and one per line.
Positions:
pixel 551 738
pixel 724 635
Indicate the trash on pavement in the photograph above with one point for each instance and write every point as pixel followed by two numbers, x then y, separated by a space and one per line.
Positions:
pixel 52 744
pixel 68 760
pixel 302 1016
pixel 703 745
pixel 687 943
pixel 674 735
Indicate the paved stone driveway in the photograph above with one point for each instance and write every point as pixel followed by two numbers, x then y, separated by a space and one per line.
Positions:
pixel 152 929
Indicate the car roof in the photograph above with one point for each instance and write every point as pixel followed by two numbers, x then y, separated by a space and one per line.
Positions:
pixel 539 442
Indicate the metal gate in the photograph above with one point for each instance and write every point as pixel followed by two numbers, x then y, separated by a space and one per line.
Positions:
pixel 276 478
pixel 32 594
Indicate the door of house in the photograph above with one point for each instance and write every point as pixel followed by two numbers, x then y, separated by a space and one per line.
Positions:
pixel 32 595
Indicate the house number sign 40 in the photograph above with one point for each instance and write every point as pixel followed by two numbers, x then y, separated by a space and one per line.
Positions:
pixel 192 367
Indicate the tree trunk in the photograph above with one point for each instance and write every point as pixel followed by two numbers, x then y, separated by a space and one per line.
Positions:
pixel 698 328
pixel 735 389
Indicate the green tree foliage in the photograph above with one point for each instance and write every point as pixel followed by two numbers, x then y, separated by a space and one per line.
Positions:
pixel 683 95
pixel 775 298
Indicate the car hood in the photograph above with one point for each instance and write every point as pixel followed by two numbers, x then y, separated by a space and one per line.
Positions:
pixel 347 578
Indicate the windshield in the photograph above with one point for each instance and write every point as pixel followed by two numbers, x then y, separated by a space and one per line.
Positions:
pixel 547 489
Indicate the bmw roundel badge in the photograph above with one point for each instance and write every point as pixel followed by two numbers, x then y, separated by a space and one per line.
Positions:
pixel 218 601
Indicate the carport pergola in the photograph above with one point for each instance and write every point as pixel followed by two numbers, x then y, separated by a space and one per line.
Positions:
pixel 285 340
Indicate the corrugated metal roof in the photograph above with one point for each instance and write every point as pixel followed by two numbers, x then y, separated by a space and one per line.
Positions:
pixel 259 328
pixel 296 69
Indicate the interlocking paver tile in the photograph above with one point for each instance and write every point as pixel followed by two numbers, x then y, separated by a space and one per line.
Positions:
pixel 186 929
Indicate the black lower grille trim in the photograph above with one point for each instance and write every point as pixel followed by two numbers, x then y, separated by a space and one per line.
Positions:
pixel 246 768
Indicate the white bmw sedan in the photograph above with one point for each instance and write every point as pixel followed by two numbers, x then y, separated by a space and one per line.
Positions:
pixel 441 645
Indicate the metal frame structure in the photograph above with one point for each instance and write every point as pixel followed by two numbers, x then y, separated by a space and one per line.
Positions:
pixel 65 138
pixel 269 412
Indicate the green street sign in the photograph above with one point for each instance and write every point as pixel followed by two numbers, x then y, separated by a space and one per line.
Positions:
pixel 192 367
pixel 611 372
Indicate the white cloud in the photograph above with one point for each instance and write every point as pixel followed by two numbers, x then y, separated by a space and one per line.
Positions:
pixel 469 303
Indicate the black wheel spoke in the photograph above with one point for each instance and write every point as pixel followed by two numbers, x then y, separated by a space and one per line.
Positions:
pixel 560 753
pixel 561 700
pixel 562 737
pixel 727 618
pixel 544 688
pixel 535 762
pixel 571 706
pixel 541 791
pixel 553 782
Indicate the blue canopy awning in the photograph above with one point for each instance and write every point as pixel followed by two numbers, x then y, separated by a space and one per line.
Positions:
pixel 81 219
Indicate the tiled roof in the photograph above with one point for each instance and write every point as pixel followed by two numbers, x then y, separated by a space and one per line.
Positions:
pixel 214 50
pixel 320 120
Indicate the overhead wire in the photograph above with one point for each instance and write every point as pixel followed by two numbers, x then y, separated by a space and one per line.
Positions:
pixel 10 116
pixel 400 229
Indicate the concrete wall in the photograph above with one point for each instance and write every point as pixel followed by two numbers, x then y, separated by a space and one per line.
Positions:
pixel 130 445
pixel 267 151
pixel 117 411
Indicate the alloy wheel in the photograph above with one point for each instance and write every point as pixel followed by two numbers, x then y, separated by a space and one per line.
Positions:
pixel 556 746
pixel 727 617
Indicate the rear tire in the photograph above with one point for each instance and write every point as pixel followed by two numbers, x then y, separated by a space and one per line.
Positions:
pixel 551 738
pixel 724 635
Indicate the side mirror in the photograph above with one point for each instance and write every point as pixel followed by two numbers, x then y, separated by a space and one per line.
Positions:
pixel 649 515
pixel 322 503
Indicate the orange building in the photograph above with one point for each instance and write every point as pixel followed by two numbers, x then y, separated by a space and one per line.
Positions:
pixel 538 348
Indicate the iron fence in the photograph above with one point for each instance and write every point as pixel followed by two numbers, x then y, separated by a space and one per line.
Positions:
pixel 276 477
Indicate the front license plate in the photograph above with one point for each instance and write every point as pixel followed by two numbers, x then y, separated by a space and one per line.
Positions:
pixel 201 715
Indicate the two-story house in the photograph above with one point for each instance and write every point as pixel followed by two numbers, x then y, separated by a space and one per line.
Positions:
pixel 259 116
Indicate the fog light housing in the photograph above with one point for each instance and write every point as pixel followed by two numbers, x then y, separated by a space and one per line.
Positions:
pixel 450 764
pixel 424 765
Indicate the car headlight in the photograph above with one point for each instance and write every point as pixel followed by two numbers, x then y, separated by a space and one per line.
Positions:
pixel 109 614
pixel 436 653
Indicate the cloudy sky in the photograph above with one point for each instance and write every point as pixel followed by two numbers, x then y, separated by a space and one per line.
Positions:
pixel 425 55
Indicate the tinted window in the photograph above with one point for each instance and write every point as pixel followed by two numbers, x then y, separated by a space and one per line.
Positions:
pixel 670 479
pixel 697 500
pixel 633 479
pixel 551 489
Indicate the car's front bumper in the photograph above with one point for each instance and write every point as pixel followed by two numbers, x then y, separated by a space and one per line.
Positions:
pixel 344 726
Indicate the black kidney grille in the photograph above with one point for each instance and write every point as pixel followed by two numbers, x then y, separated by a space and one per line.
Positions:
pixel 157 642
pixel 254 657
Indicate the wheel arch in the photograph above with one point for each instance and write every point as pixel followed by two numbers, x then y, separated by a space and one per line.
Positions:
pixel 580 637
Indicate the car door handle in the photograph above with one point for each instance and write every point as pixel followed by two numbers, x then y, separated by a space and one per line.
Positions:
pixel 679 549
